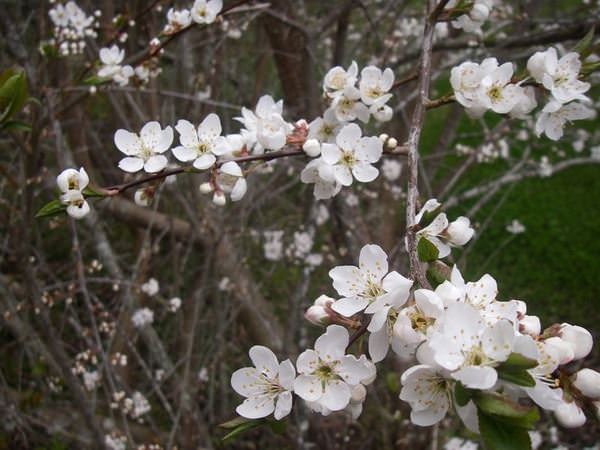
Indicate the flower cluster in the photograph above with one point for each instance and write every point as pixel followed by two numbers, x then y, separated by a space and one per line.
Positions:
pixel 472 352
pixel 72 183
pixel 113 69
pixel 490 86
pixel 202 12
pixel 71 26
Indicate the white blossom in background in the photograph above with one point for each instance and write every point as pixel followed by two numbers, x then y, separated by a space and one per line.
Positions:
pixel 144 151
pixel 71 26
pixel 206 11
pixel 515 227
pixel 327 374
pixel 455 443
pixel 556 115
pixel 71 183
pixel 350 157
pixel 265 128
pixel 559 76
pixel 111 59
pixel 201 145
pixel 322 215
pixel 267 386
pixel 230 180
pixel 91 380
pixel 273 245
pixel 375 85
pixel 140 405
pixel 177 19
pixel 115 442
pixel 150 287
pixel 472 22
pixel 174 304
pixel 391 169
pixel 142 317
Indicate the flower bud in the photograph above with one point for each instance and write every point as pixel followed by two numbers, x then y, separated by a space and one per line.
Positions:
pixel 479 12
pixel 460 232
pixel 530 325
pixel 324 300
pixel 569 415
pixel 358 394
pixel 206 188
pixel 312 148
pixel 392 143
pixel 142 197
pixel 588 383
pixel 564 349
pixel 383 137
pixel 219 199
pixel 317 315
pixel 579 338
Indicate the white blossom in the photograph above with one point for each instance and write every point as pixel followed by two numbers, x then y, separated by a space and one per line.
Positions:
pixel 206 11
pixel 150 287
pixel 374 85
pixel 428 392
pixel 201 145
pixel 555 116
pixel 142 317
pixel 144 151
pixel 265 128
pixel 230 180
pixel 267 386
pixel 338 79
pixel 515 227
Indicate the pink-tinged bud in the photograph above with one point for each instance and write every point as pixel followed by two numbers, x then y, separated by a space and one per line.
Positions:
pixel 563 349
pixel 324 300
pixel 579 338
pixel 206 188
pixel 588 383
pixel 312 148
pixel 569 415
pixel 317 315
pixel 530 325
pixel 358 394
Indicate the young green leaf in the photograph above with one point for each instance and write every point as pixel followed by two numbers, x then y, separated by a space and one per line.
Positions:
pixel 583 46
pixel 426 251
pixel 497 435
pixel 517 362
pixel 518 377
pixel 462 395
pixel 51 209
pixel 499 405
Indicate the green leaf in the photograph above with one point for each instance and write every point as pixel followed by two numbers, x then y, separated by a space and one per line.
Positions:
pixel 277 426
pixel 234 422
pixel 498 435
pixel 428 216
pixel 242 428
pixel 437 273
pixel 13 93
pixel 517 362
pixel 90 192
pixel 391 381
pixel 583 46
pixel 51 209
pixel 426 251
pixel 15 125
pixel 95 80
pixel 492 403
pixel 462 395
pixel 520 378
pixel 589 67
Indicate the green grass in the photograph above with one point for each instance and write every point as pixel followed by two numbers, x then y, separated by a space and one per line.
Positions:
pixel 553 265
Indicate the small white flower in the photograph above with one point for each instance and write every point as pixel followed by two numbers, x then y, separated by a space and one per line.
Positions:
pixel 369 286
pixel 200 145
pixel 206 11
pixel 111 59
pixel 174 304
pixel 265 128
pixel 142 317
pixel 150 287
pixel 555 116
pixel 77 206
pixel 428 392
pixel 177 20
pixel 230 180
pixel 338 79
pixel 144 151
pixel 327 374
pixel 323 189
pixel 351 155
pixel 374 85
pixel 391 169
pixel 267 386
pixel 515 227
pixel 71 179
pixel 326 128
pixel 348 106
pixel 497 93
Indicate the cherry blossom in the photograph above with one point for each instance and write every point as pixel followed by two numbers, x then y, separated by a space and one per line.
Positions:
pixel 146 150
pixel 555 116
pixel 338 79
pixel 267 386
pixel 206 11
pixel 428 392
pixel 201 145
pixel 374 85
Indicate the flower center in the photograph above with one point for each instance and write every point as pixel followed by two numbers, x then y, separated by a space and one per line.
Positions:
pixel 419 321
pixel 326 371
pixel 495 93
pixel 202 148
pixel 373 290
pixel 476 357
pixel 348 159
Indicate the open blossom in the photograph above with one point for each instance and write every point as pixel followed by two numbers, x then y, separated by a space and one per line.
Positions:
pixel 267 386
pixel 555 116
pixel 111 58
pixel 150 287
pixel 375 85
pixel 142 317
pixel 144 151
pixel 497 92
pixel 348 106
pixel 265 128
pixel 442 233
pixel 323 189
pixel 177 20
pixel 71 183
pixel 559 76
pixel 206 11
pixel 327 374
pixel 326 128
pixel 351 155
pixel 230 180
pixel 338 79
pixel 475 18
pixel 369 286
pixel 200 145
pixel 428 392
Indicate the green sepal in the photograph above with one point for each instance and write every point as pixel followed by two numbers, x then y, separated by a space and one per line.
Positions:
pixel 462 395
pixel 498 435
pixel 426 251
pixel 583 47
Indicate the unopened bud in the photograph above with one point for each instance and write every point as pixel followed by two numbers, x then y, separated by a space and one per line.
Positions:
pixel 392 143
pixel 530 325
pixel 588 383
pixel 564 349
pixel 206 188
pixel 460 231
pixel 317 315
pixel 569 415
pixel 579 338
pixel 143 197
pixel 312 148
pixel 383 138
pixel 219 199
pixel 359 393
pixel 324 300
pixel 479 12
